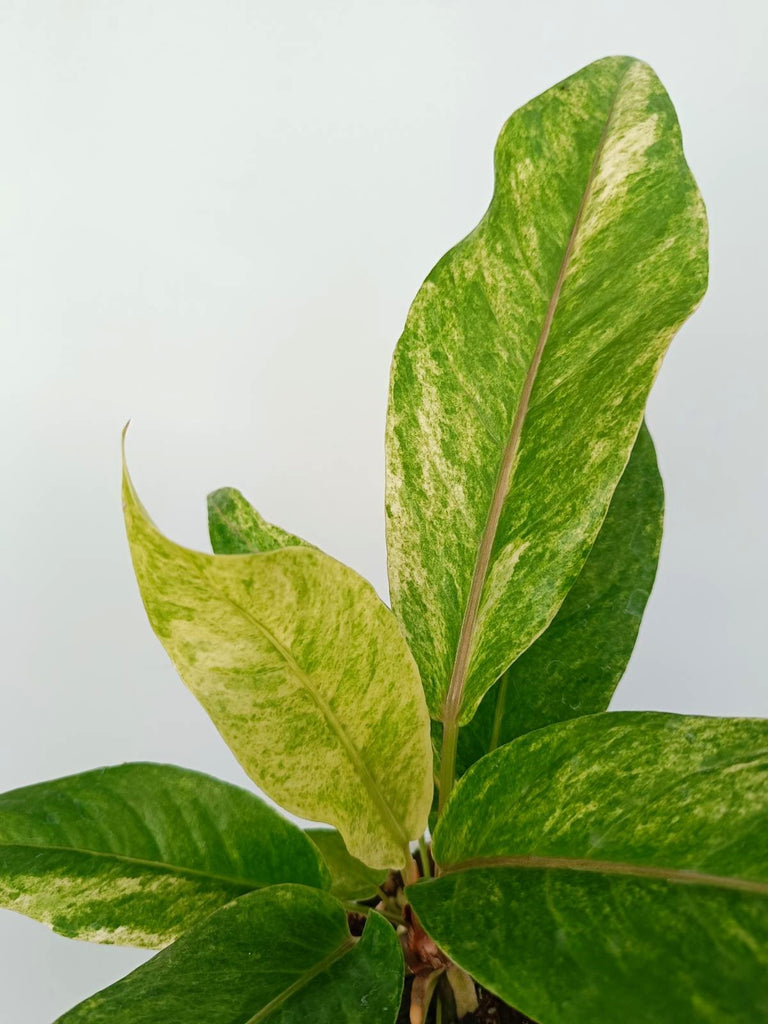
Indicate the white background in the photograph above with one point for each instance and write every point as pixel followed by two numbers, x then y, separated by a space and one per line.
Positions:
pixel 214 218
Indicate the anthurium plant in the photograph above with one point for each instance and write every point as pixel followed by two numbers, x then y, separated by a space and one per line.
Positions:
pixel 497 846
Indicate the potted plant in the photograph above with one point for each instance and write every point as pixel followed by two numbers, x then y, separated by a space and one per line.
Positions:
pixel 498 839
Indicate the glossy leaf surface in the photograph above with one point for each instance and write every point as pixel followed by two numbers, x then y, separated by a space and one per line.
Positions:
pixel 136 853
pixel 614 867
pixel 574 666
pixel 519 383
pixel 282 955
pixel 236 528
pixel 305 674
pixel 350 878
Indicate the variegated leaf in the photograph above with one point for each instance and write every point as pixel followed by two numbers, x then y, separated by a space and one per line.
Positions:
pixel 611 868
pixel 135 854
pixel 236 528
pixel 305 674
pixel 519 383
pixel 283 955
pixel 350 878
pixel 573 668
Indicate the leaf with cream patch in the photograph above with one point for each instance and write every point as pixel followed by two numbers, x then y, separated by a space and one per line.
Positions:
pixel 574 666
pixel 134 854
pixel 305 674
pixel 613 867
pixel 284 955
pixel 519 383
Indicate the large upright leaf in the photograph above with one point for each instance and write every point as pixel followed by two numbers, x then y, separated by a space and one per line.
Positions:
pixel 305 674
pixel 136 853
pixel 574 666
pixel 612 868
pixel 283 955
pixel 519 383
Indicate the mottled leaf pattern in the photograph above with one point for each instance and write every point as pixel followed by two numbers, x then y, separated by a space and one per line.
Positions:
pixel 574 666
pixel 350 878
pixel 135 854
pixel 610 868
pixel 519 383
pixel 282 955
pixel 236 528
pixel 306 676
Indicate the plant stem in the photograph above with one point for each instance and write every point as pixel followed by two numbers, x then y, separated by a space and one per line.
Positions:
pixel 448 760
pixel 426 866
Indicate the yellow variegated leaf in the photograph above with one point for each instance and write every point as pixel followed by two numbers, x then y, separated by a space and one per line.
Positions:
pixel 519 383
pixel 306 676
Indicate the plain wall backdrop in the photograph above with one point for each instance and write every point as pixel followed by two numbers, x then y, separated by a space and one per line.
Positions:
pixel 214 218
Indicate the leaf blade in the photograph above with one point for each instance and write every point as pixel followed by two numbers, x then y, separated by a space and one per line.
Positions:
pixel 236 528
pixel 633 846
pixel 283 954
pixel 135 853
pixel 573 668
pixel 305 674
pixel 350 878
pixel 526 361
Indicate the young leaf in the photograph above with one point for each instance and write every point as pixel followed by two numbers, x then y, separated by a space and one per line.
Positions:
pixel 136 853
pixel 519 383
pixel 613 867
pixel 236 528
pixel 350 878
pixel 574 666
pixel 305 674
pixel 284 955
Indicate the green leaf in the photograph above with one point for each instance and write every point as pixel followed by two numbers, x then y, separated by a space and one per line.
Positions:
pixel 136 853
pixel 305 674
pixel 611 868
pixel 574 666
pixel 350 878
pixel 519 383
pixel 284 955
pixel 236 528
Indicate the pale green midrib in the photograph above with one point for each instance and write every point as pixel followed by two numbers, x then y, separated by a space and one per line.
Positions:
pixel 683 876
pixel 353 752
pixel 301 982
pixel 121 858
pixel 452 706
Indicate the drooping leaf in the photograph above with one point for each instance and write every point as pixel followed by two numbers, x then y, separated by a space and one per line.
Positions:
pixel 236 528
pixel 519 383
pixel 612 868
pixel 135 853
pixel 283 954
pixel 574 666
pixel 305 674
pixel 350 878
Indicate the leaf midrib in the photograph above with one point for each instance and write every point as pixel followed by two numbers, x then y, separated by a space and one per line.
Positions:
pixel 453 701
pixel 247 884
pixel 351 750
pixel 302 981
pixel 682 876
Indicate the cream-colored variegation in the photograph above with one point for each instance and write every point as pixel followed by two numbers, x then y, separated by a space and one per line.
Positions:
pixel 305 674
pixel 519 383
